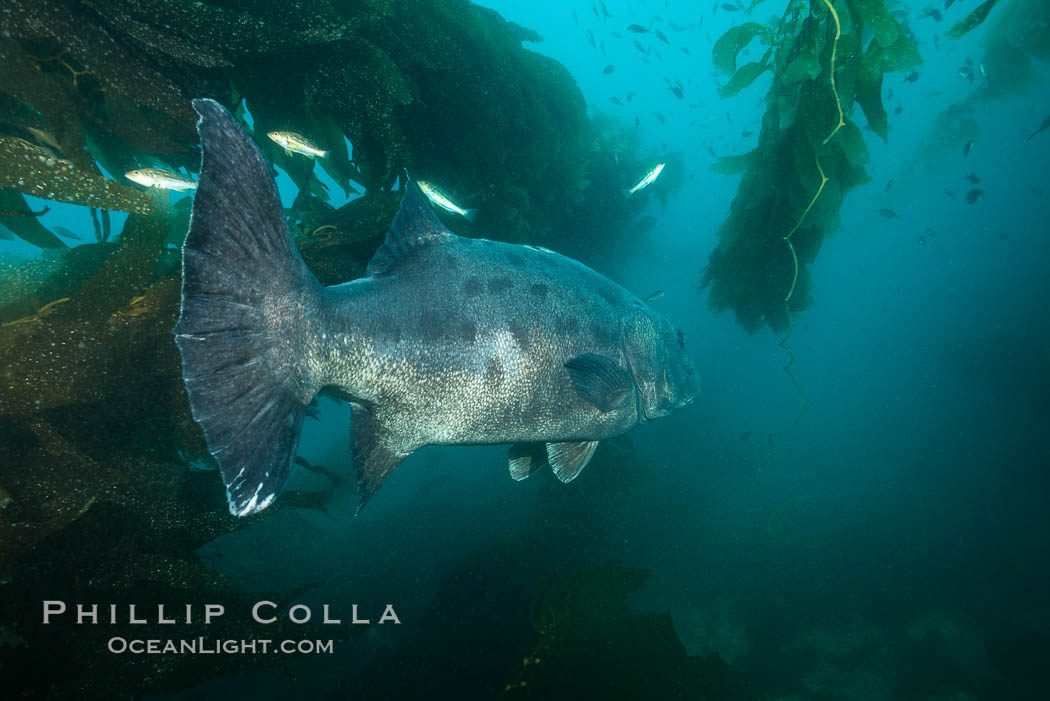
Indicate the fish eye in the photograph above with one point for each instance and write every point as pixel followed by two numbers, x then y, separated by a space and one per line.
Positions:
pixel 681 339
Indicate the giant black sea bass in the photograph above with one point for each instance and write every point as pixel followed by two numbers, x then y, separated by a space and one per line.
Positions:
pixel 444 341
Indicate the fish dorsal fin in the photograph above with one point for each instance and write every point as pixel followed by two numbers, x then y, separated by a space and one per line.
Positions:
pixel 567 459
pixel 415 226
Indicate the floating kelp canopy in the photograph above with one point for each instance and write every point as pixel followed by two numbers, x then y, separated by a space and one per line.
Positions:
pixel 443 89
pixel 825 58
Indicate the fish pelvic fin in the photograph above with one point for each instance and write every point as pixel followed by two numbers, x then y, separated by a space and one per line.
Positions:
pixel 375 452
pixel 244 286
pixel 568 459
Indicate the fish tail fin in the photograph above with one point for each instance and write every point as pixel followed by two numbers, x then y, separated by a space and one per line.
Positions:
pixel 245 291
pixel 323 154
pixel 470 215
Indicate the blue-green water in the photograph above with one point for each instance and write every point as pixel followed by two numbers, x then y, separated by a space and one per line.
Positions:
pixel 873 526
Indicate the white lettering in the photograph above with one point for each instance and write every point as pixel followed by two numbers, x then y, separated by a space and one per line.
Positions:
pixel 131 617
pixel 53 608
pixel 291 613
pixel 213 611
pixel 329 620
pixel 117 645
pixel 160 615
pixel 83 613
pixel 389 615
pixel 255 612
pixel 356 619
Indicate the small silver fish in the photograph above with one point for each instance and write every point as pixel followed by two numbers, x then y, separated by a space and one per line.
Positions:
pixel 296 143
pixel 659 294
pixel 63 231
pixel 438 197
pixel 647 180
pixel 165 179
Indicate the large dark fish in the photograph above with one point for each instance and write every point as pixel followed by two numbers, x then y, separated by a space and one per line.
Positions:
pixel 445 341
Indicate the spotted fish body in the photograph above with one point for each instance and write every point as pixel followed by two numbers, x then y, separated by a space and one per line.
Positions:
pixel 491 326
pixel 154 177
pixel 444 341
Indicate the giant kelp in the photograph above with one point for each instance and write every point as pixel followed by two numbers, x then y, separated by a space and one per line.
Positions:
pixel 444 89
pixel 1017 39
pixel 102 499
pixel 35 171
pixel 810 151
pixel 97 481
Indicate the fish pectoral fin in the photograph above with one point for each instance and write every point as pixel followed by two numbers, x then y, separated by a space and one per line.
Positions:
pixel 525 458
pixel 599 380
pixel 567 459
pixel 375 452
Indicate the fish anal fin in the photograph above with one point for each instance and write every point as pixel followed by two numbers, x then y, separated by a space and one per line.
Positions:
pixel 569 458
pixel 525 458
pixel 375 453
pixel 599 380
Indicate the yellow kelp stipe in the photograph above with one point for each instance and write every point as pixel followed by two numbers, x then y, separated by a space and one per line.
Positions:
pixel 791 248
